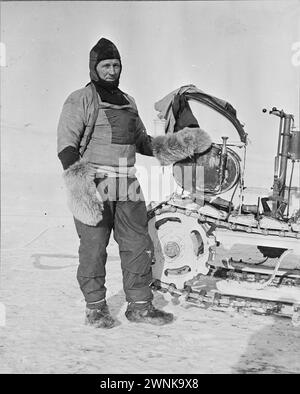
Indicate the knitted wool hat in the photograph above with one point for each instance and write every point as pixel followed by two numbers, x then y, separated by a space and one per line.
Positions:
pixel 104 49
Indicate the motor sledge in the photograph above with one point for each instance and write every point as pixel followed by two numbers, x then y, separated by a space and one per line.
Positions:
pixel 220 252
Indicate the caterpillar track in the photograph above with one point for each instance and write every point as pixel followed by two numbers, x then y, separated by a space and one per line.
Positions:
pixel 186 238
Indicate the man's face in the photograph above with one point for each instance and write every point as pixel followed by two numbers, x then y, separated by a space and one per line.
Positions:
pixel 109 69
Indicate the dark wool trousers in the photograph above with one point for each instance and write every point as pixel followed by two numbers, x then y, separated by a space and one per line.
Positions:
pixel 128 220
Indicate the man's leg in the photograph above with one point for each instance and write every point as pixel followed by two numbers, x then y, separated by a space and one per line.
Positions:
pixel 92 259
pixel 131 234
pixel 135 245
pixel 91 270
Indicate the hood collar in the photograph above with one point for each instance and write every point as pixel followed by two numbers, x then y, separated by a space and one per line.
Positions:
pixel 104 49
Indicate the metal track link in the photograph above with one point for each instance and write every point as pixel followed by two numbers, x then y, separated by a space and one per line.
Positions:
pixel 233 304
pixel 246 276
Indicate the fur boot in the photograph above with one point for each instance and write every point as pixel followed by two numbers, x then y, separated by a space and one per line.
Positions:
pixel 84 200
pixel 171 148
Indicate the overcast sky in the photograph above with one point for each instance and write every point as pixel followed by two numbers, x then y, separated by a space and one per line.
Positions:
pixel 237 50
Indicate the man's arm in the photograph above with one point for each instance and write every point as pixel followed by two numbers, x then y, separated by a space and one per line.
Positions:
pixel 143 140
pixel 70 130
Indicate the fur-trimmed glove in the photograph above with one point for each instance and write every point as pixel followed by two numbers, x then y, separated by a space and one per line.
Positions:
pixel 171 148
pixel 84 200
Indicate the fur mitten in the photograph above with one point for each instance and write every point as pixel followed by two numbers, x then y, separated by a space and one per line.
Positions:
pixel 171 148
pixel 84 200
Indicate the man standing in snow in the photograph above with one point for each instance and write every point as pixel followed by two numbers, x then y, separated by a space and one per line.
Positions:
pixel 99 133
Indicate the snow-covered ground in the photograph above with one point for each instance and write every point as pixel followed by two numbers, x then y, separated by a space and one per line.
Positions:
pixel 44 329
pixel 45 333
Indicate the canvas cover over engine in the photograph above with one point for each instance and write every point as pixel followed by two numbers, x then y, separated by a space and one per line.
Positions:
pixel 175 109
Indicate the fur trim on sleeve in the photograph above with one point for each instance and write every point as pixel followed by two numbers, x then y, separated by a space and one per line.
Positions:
pixel 84 200
pixel 174 147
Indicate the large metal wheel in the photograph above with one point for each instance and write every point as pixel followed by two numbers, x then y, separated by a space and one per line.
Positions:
pixel 181 248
